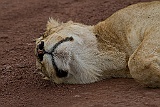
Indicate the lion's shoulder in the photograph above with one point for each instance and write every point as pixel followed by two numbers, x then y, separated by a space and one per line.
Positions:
pixel 124 29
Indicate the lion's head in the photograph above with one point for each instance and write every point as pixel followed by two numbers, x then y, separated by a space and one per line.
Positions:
pixel 65 53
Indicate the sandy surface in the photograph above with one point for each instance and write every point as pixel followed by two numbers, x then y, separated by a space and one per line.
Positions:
pixel 21 21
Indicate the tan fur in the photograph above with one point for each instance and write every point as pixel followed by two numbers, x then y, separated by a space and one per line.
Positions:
pixel 127 44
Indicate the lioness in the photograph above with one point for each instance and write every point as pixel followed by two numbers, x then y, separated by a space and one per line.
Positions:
pixel 127 44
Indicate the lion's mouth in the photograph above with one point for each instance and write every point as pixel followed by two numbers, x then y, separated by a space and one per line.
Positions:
pixel 41 51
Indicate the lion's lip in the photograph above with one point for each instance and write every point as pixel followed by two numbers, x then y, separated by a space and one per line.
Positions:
pixel 40 54
pixel 39 51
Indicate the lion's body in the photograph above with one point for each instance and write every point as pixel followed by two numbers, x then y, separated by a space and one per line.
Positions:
pixel 127 44
pixel 135 31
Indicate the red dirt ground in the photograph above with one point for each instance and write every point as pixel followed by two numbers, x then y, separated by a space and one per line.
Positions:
pixel 21 86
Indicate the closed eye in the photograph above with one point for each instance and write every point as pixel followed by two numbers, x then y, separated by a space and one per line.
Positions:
pixel 61 73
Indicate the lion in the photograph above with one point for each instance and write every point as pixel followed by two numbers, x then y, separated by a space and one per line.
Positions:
pixel 125 45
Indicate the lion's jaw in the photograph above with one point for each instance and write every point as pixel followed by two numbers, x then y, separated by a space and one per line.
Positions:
pixel 76 57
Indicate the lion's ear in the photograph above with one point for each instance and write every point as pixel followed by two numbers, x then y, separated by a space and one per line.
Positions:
pixel 52 23
pixel 51 27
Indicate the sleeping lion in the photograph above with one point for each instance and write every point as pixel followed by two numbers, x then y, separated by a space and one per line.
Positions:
pixel 127 44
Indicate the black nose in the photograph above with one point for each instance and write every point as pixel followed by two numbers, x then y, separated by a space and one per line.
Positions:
pixel 41 45
pixel 40 51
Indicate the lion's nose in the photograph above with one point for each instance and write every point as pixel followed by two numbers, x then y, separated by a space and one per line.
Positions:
pixel 40 51
pixel 41 45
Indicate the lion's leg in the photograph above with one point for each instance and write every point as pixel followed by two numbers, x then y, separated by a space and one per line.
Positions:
pixel 144 63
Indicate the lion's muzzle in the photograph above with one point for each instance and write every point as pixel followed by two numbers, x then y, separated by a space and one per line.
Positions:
pixel 40 51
